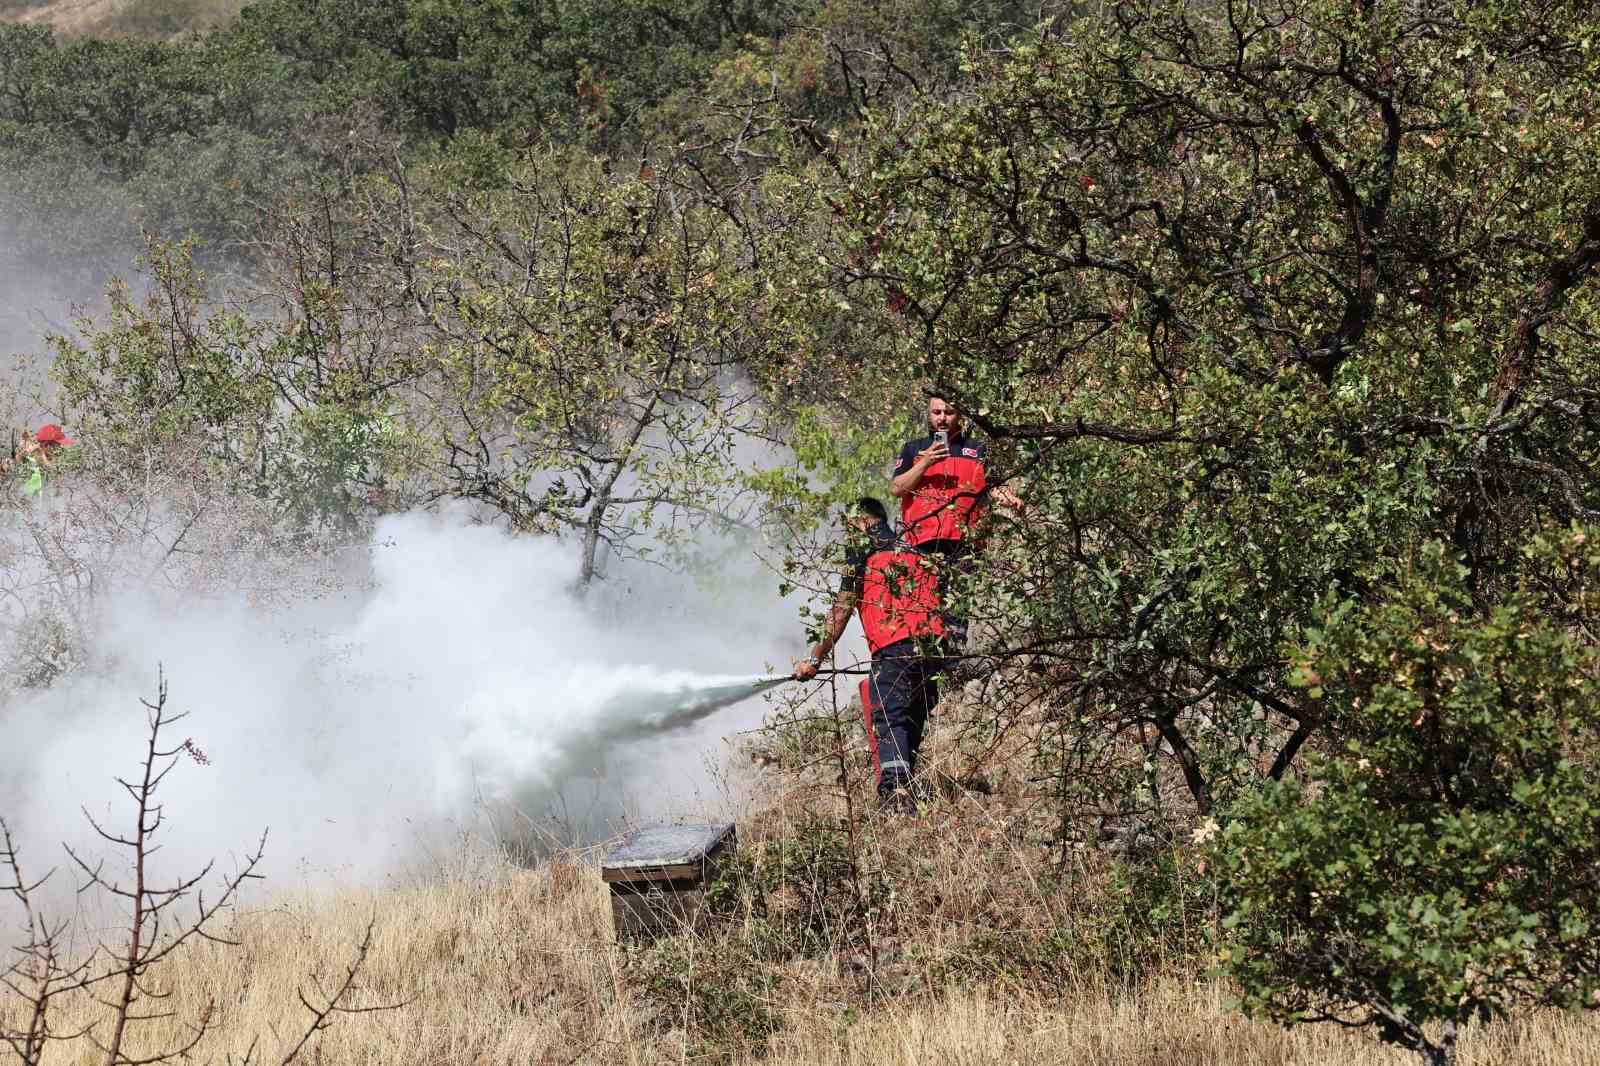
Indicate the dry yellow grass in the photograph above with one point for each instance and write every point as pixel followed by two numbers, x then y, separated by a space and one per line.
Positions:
pixel 1168 1025
pixel 504 965
pixel 155 18
pixel 979 949
pixel 69 16
pixel 499 965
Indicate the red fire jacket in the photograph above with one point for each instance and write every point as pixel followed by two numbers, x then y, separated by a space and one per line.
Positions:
pixel 947 501
pixel 899 598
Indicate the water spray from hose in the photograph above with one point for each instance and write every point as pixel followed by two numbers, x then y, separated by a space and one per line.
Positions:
pixel 660 706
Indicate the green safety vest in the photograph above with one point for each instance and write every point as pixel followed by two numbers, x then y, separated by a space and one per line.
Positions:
pixel 30 477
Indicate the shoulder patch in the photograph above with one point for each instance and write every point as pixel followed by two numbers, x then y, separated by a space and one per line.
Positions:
pixel 971 453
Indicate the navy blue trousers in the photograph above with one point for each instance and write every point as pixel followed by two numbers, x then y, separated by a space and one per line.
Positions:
pixel 895 700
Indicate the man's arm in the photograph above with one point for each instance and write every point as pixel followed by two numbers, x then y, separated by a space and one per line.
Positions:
pixel 906 481
pixel 833 629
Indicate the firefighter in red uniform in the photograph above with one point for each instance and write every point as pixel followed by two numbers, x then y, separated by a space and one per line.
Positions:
pixel 897 592
pixel 942 486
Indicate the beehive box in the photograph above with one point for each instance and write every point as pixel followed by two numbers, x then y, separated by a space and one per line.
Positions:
pixel 658 877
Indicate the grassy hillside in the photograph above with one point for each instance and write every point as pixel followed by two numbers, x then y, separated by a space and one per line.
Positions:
pixel 509 965
pixel 960 937
pixel 135 18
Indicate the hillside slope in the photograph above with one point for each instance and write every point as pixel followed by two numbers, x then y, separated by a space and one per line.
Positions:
pixel 500 965
pixel 140 18
pixel 955 937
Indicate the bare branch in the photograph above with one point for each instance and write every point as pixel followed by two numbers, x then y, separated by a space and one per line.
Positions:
pixel 322 1016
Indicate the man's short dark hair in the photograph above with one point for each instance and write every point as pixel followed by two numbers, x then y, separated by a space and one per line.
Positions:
pixel 871 505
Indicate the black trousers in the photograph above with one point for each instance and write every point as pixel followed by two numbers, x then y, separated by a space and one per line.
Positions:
pixel 896 698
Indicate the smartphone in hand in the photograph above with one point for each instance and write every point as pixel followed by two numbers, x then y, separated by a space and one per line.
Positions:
pixel 941 437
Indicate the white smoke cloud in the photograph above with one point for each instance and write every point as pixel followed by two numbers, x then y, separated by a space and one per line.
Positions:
pixel 40 293
pixel 461 677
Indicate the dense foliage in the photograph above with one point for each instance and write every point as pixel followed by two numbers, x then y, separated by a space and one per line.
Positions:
pixel 1306 290
pixel 100 136
pixel 1441 866
pixel 1262 301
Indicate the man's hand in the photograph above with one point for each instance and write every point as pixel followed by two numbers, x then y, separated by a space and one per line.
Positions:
pixel 932 454
pixel 904 483
pixel 1007 498
pixel 806 669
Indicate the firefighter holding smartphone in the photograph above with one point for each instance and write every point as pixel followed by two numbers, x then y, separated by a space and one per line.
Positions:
pixel 942 485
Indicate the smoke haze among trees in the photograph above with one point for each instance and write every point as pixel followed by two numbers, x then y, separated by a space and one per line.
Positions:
pixel 1281 316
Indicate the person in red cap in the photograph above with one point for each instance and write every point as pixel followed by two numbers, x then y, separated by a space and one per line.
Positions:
pixel 34 455
pixel 50 435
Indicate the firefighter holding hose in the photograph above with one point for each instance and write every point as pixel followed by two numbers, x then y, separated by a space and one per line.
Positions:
pixel 896 591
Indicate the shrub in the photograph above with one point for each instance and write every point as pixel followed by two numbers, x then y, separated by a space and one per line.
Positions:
pixel 1441 867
